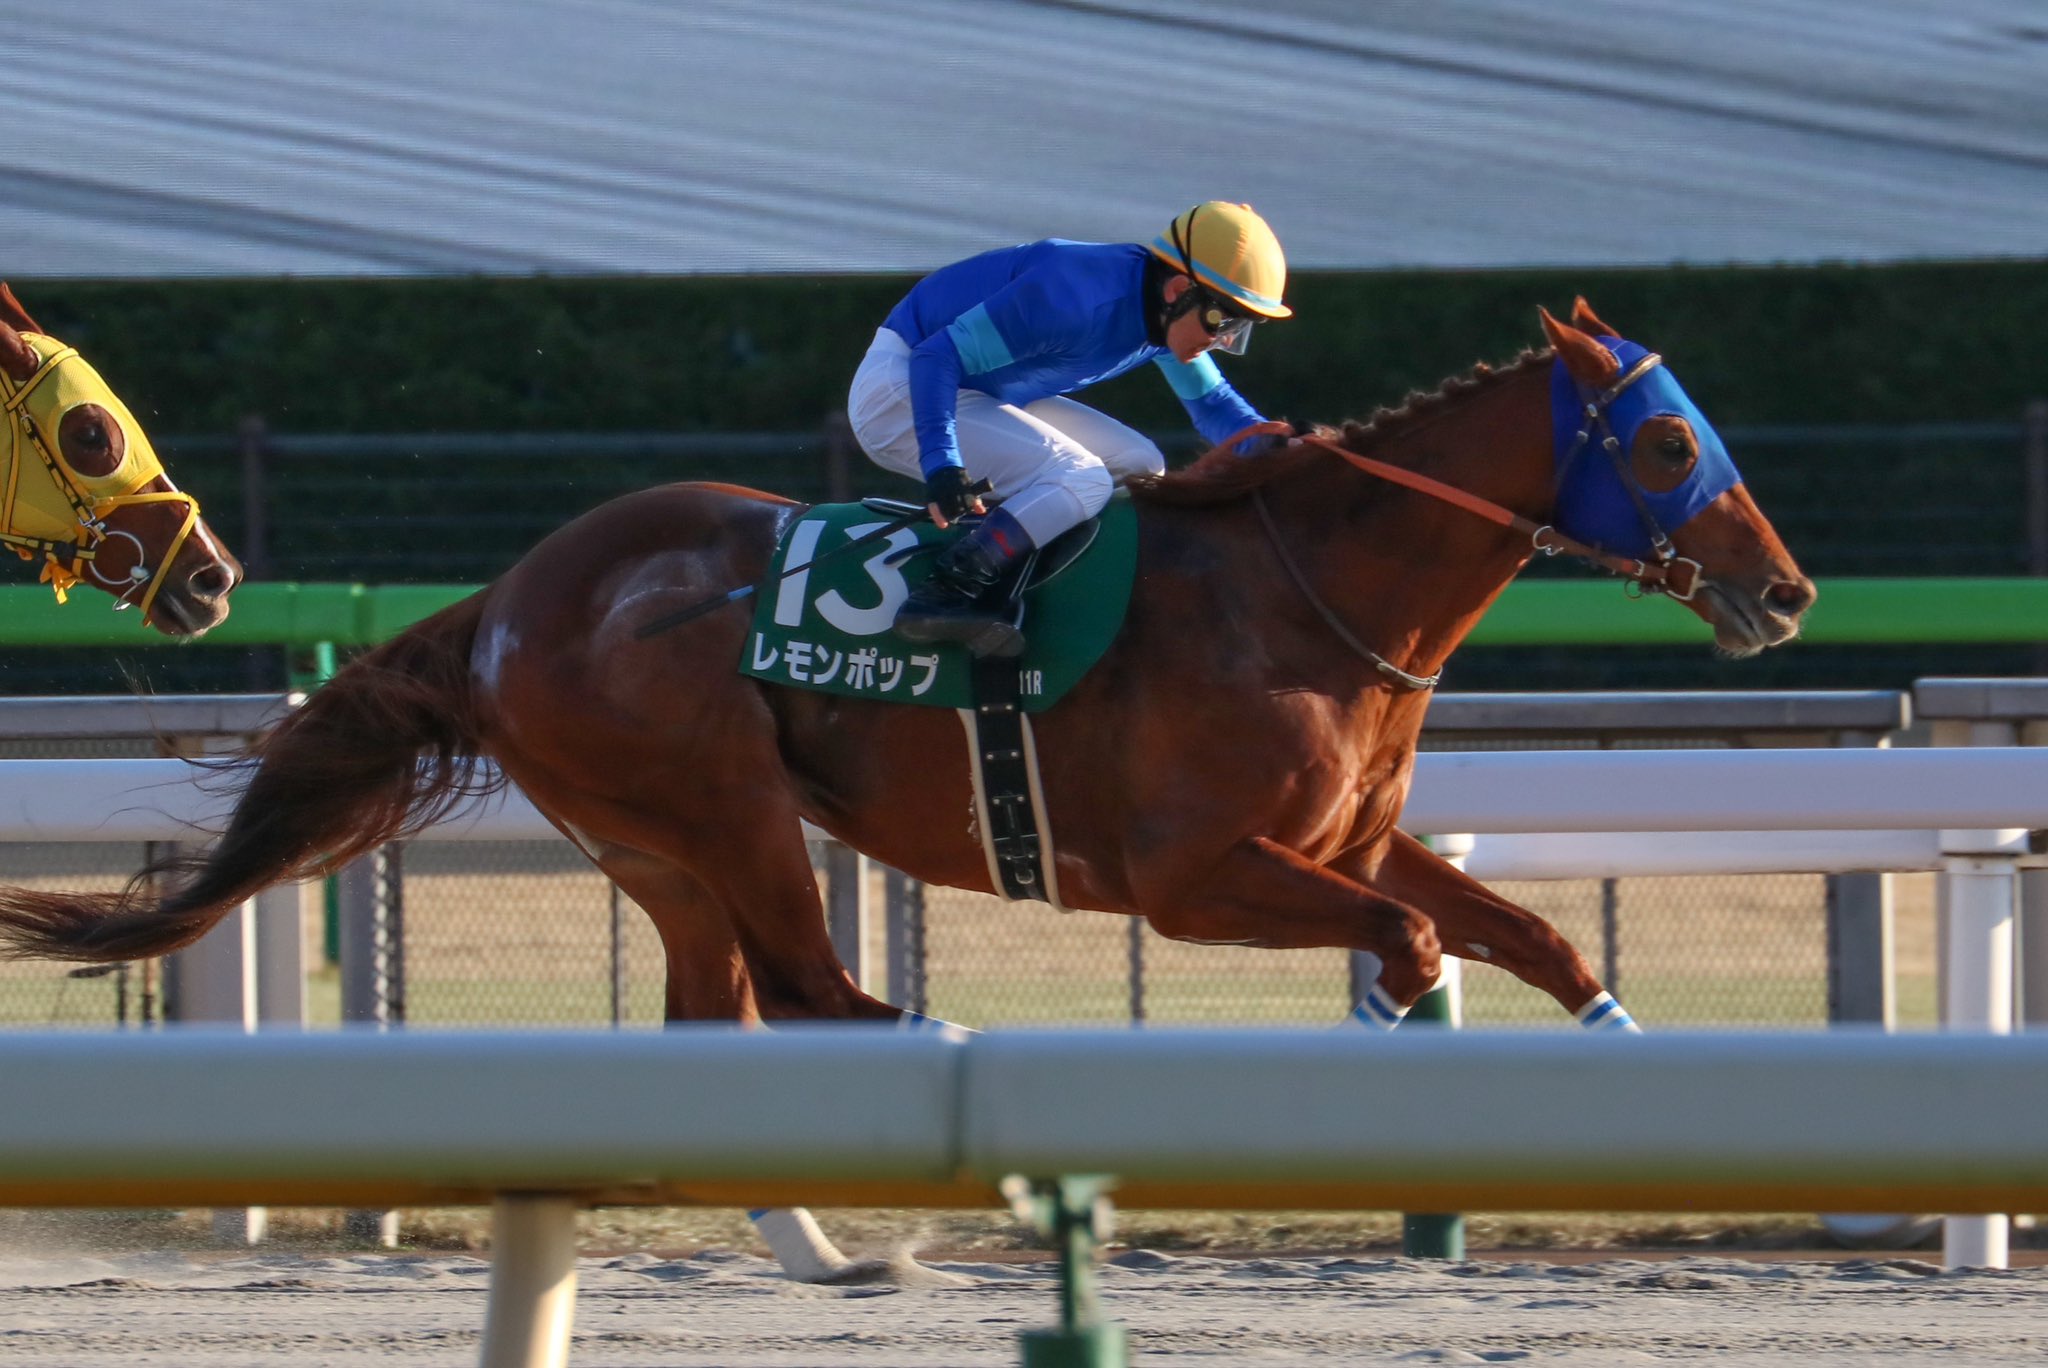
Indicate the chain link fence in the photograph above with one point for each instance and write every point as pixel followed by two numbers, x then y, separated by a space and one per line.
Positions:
pixel 1721 952
pixel 523 933
pixel 528 934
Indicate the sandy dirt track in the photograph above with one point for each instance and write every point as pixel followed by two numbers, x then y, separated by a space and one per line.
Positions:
pixel 725 1310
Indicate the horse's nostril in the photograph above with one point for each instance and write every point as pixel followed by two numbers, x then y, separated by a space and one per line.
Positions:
pixel 1790 597
pixel 211 581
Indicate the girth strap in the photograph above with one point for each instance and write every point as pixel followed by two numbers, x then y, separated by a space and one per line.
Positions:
pixel 1009 799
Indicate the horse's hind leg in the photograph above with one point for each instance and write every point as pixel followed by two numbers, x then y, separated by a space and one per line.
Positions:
pixel 745 854
pixel 706 975
pixel 707 981
pixel 1473 922
pixel 760 873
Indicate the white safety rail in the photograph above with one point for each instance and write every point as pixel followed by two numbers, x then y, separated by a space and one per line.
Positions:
pixel 540 1124
pixel 1993 787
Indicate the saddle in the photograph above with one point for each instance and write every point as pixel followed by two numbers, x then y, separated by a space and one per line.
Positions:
pixel 824 621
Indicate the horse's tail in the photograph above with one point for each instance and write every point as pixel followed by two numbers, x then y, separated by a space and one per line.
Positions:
pixel 385 748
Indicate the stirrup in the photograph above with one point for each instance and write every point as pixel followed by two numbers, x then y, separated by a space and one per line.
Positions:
pixel 985 634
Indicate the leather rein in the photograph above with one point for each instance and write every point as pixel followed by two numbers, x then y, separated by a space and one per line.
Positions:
pixel 1669 573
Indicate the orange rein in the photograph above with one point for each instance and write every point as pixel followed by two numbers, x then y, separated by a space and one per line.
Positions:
pixel 1654 577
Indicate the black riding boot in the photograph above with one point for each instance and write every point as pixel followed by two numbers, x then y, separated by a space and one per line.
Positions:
pixel 948 607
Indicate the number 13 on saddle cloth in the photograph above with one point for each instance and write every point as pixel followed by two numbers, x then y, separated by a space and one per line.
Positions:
pixel 826 626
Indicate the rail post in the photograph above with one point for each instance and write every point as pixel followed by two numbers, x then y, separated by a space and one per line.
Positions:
pixel 1862 943
pixel 2032 1009
pixel 1439 1234
pixel 1075 1212
pixel 532 1301
pixel 1994 973
pixel 369 898
pixel 1980 878
pixel 849 912
pixel 903 928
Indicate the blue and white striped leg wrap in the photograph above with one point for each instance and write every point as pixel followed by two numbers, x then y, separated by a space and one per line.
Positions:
pixel 1603 1013
pixel 1378 1010
pixel 918 1021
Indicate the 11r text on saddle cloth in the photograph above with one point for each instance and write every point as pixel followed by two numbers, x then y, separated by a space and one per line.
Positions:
pixel 827 626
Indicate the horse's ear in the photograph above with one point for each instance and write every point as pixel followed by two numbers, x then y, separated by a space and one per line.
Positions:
pixel 1584 319
pixel 1590 363
pixel 17 358
pixel 12 314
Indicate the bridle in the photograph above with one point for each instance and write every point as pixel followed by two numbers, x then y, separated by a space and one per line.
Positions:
pixel 1661 573
pixel 31 530
pixel 1664 572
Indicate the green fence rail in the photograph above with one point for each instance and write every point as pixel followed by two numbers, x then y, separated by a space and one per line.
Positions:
pixel 1858 612
pixel 1530 613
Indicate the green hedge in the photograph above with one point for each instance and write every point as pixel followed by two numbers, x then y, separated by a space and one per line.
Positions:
pixel 1791 344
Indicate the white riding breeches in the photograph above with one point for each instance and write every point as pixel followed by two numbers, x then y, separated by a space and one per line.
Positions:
pixel 1053 462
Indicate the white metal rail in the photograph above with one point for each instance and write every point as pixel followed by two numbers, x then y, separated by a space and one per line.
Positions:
pixel 1992 787
pixel 540 1124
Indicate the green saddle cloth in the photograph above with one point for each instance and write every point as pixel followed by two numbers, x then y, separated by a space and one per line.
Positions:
pixel 828 626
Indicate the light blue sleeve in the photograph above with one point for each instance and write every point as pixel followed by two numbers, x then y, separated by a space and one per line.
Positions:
pixel 1219 412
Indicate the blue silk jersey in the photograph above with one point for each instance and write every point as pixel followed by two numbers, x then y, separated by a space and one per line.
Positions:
pixel 1022 324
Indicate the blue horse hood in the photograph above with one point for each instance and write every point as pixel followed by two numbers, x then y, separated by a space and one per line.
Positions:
pixel 1593 504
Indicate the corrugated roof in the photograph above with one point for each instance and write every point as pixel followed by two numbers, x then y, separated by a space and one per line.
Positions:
pixel 178 137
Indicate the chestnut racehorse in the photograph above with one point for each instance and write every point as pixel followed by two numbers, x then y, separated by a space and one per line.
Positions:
pixel 1231 770
pixel 85 495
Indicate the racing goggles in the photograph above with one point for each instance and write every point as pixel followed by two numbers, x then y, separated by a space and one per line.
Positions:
pixel 1231 329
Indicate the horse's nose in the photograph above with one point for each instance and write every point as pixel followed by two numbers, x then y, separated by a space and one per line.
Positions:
pixel 1790 598
pixel 211 581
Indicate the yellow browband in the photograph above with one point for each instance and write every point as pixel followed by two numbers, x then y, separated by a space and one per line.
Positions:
pixel 56 510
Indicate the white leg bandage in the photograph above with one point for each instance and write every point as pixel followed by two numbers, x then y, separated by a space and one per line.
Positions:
pixel 798 1245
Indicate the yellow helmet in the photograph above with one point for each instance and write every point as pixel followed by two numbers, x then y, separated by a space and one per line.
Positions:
pixel 1231 250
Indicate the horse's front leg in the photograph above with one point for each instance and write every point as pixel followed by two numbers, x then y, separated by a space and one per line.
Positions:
pixel 1263 894
pixel 1475 923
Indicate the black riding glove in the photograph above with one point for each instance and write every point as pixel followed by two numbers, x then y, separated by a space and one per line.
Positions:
pixel 950 491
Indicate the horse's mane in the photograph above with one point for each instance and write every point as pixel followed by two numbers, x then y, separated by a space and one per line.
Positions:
pixel 1220 475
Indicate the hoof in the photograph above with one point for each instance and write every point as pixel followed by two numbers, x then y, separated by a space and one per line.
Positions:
pixel 900 1271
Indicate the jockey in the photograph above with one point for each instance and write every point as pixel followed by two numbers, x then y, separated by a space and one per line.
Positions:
pixel 966 378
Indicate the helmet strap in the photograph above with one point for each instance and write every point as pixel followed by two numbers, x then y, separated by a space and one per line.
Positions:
pixel 1190 300
pixel 1185 245
pixel 1158 313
